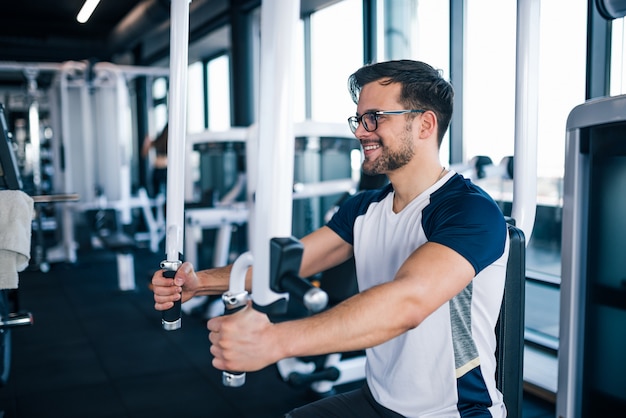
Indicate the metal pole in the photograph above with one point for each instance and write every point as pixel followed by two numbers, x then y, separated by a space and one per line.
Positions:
pixel 273 206
pixel 527 91
pixel 274 150
pixel 174 215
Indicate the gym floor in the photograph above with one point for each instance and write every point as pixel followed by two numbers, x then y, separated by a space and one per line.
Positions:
pixel 95 351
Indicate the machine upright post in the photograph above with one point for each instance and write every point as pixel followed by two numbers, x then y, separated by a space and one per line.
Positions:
pixel 175 216
pixel 272 214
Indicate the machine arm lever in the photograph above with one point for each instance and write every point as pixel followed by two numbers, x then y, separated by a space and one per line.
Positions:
pixel 285 260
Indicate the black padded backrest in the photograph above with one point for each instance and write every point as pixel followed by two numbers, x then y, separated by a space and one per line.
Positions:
pixel 510 326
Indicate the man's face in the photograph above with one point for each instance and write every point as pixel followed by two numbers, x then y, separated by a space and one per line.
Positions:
pixel 390 146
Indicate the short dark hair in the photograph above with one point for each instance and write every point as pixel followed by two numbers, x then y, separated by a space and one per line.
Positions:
pixel 423 87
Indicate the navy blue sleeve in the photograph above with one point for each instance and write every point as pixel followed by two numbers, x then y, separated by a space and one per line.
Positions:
pixel 469 223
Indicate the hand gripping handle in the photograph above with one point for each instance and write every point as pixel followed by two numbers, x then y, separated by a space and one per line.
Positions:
pixel 234 302
pixel 170 319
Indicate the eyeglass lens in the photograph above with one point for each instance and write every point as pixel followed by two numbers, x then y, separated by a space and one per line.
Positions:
pixel 369 121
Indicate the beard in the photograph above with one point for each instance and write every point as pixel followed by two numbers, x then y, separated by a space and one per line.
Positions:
pixel 391 160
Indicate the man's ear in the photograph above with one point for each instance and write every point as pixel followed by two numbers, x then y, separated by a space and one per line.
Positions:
pixel 428 124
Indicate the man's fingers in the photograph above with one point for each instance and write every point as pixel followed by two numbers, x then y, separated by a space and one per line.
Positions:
pixel 163 306
pixel 165 298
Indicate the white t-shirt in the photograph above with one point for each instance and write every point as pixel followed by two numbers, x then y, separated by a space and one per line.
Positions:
pixel 446 366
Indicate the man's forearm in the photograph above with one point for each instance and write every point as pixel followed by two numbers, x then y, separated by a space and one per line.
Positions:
pixel 213 281
pixel 216 281
pixel 359 322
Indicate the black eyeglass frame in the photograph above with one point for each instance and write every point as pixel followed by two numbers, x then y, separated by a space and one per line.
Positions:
pixel 353 121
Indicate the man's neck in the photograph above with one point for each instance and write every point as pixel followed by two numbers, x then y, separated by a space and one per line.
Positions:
pixel 408 186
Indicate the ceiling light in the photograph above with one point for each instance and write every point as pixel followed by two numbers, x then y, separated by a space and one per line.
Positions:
pixel 87 10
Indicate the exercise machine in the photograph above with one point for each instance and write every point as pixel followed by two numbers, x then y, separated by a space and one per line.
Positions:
pixel 15 249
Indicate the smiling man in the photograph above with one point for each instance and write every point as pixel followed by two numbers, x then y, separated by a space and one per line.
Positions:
pixel 430 250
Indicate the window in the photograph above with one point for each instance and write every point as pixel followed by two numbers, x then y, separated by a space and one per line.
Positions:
pixel 159 100
pixel 412 29
pixel 489 108
pixel 618 57
pixel 195 98
pixel 218 93
pixel 419 30
pixel 332 62
pixel 489 84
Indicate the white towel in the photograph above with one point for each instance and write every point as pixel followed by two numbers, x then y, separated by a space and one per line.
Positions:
pixel 16 217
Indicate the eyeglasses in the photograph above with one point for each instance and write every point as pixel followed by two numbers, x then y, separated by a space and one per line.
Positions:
pixel 370 119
